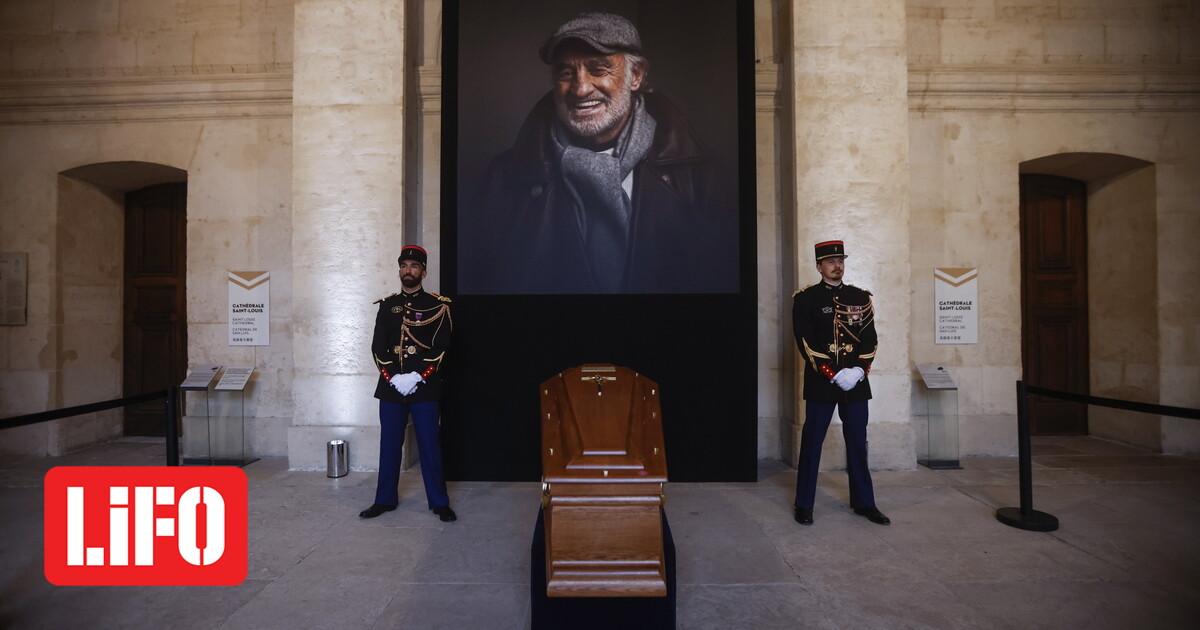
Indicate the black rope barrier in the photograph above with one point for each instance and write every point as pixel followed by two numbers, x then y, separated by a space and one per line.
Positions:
pixel 57 414
pixel 1158 410
pixel 1025 517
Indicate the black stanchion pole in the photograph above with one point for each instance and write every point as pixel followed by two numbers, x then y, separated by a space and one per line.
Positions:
pixel 1024 449
pixel 172 427
pixel 1025 517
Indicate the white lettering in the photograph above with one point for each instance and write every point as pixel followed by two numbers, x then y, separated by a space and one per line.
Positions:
pixel 189 507
pixel 146 527
pixel 143 526
pixel 74 526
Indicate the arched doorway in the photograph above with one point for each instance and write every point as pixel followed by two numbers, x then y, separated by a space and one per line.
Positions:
pixel 121 235
pixel 1089 313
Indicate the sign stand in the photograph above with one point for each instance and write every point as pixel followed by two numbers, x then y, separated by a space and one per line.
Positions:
pixel 941 399
pixel 215 420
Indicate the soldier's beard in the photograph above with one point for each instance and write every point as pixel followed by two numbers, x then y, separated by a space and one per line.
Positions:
pixel 410 281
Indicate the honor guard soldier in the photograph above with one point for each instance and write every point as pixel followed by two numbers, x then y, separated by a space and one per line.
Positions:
pixel 834 325
pixel 412 332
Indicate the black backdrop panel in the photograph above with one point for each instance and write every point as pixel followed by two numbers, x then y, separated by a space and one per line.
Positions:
pixel 701 349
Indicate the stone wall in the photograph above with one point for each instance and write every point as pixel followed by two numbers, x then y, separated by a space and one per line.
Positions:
pixel 996 84
pixel 900 127
pixel 1123 304
pixel 112 94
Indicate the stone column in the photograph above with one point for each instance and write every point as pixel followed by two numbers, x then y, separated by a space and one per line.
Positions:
pixel 1178 276
pixel 850 85
pixel 428 136
pixel 347 197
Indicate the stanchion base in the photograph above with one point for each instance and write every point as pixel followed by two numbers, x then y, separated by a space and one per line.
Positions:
pixel 1033 521
pixel 940 464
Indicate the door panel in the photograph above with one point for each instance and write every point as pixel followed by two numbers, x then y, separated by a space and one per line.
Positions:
pixel 155 355
pixel 1054 299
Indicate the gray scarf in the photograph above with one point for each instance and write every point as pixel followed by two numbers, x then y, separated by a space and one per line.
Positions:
pixel 602 208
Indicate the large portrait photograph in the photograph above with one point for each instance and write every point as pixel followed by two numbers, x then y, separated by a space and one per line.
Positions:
pixel 596 147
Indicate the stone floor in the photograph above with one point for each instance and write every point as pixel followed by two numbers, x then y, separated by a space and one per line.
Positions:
pixel 1127 554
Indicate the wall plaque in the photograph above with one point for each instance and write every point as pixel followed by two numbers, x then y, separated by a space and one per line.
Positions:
pixel 249 308
pixel 956 301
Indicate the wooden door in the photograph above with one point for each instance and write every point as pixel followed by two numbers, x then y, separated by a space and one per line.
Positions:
pixel 1054 322
pixel 155 354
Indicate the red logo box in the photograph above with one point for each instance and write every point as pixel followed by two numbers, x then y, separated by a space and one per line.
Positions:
pixel 145 526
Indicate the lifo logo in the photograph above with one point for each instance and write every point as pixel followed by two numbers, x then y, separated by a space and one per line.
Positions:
pixel 145 525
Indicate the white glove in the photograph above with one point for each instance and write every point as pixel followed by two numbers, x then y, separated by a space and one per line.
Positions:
pixel 406 383
pixel 847 378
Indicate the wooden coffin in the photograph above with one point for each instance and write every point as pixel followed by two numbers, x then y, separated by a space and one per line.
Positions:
pixel 603 472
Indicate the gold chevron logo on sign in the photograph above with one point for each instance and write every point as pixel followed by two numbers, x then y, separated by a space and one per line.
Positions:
pixel 955 276
pixel 249 279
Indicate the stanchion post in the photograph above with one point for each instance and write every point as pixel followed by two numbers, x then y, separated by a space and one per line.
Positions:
pixel 172 427
pixel 1025 517
pixel 1024 449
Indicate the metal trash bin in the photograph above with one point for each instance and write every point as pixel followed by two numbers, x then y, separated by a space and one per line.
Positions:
pixel 337 462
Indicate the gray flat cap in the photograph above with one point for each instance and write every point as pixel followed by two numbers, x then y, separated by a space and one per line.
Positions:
pixel 606 32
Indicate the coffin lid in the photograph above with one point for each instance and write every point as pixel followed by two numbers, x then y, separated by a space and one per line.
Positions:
pixel 602 423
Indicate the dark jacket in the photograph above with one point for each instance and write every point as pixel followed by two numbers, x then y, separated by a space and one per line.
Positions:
pixel 412 332
pixel 520 234
pixel 835 329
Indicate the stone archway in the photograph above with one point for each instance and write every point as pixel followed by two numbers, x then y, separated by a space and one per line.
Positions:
pixel 1122 238
pixel 89 265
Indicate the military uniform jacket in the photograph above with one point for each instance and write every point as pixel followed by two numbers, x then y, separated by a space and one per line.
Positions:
pixel 412 332
pixel 835 329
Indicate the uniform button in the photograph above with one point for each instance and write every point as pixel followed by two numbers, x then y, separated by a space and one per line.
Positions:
pixel 536 191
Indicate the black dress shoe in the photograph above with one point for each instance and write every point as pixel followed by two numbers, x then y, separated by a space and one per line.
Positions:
pixel 445 513
pixel 804 517
pixel 874 515
pixel 375 510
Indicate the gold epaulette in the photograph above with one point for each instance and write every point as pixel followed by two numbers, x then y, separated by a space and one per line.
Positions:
pixel 440 297
pixel 384 298
pixel 804 289
pixel 859 288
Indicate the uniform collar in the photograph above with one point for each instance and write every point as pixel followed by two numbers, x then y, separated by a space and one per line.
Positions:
pixel 833 287
pixel 413 294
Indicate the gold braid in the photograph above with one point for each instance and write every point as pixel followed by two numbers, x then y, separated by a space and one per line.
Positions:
pixel 842 324
pixel 406 334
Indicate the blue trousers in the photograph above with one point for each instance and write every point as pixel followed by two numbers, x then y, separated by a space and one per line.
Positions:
pixel 393 419
pixel 812 437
